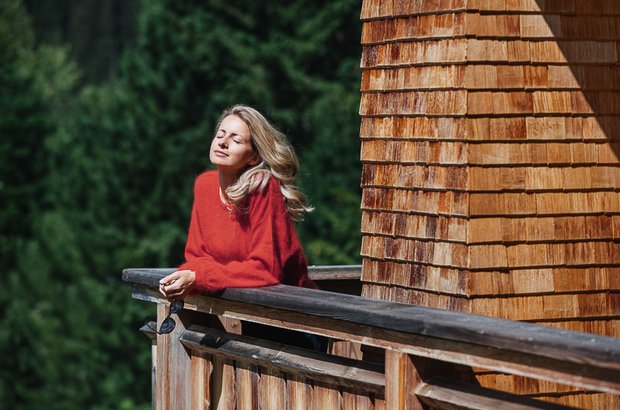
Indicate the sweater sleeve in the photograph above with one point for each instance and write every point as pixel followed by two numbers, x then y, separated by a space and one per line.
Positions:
pixel 269 251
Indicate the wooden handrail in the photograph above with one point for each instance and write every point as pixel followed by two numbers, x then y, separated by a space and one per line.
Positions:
pixel 315 272
pixel 335 272
pixel 581 359
pixel 406 333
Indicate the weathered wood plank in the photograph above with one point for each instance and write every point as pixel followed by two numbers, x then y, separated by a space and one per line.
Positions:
pixel 335 272
pixel 345 348
pixel 354 400
pixel 201 380
pixel 271 390
pixel 162 387
pixel 402 378
pixel 444 394
pixel 325 396
pixel 299 393
pixel 148 332
pixel 379 403
pixel 247 379
pixel 223 392
pixel 300 362
pixel 172 359
pixel 321 273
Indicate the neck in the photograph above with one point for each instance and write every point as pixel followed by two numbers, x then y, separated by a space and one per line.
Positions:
pixel 226 179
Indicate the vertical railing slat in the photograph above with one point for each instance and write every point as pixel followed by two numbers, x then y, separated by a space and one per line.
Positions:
pixel 401 380
pixel 247 386
pixel 299 393
pixel 201 379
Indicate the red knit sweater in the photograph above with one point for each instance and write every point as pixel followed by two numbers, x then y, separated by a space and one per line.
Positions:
pixel 232 250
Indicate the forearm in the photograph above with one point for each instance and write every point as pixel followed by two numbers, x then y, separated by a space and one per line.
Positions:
pixel 212 276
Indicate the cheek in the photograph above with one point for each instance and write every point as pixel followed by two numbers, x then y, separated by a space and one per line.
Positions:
pixel 250 155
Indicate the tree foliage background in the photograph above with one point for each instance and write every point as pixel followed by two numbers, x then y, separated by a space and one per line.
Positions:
pixel 106 112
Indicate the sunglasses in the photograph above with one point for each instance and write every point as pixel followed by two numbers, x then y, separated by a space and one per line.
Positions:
pixel 168 324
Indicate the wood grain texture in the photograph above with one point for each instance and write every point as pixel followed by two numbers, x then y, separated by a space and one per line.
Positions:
pixel 223 389
pixel 402 381
pixel 272 384
pixel 321 273
pixel 441 393
pixel 300 362
pixel 201 368
pixel 299 392
pixel 325 396
pixel 247 382
pixel 172 359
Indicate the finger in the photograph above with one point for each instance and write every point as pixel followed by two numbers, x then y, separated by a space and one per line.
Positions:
pixel 176 284
pixel 178 294
pixel 174 276
pixel 168 280
pixel 171 289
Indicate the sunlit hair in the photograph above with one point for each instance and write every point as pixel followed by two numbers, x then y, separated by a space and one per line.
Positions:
pixel 277 159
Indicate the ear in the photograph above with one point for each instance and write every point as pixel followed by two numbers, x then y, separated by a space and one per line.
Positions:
pixel 255 160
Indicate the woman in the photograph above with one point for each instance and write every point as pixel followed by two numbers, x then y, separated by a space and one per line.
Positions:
pixel 241 232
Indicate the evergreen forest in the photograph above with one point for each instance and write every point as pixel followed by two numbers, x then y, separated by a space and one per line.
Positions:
pixel 107 109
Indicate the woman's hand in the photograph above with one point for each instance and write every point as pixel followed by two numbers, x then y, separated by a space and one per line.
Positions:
pixel 178 284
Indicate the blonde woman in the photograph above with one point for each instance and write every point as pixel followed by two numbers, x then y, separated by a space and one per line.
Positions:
pixel 241 232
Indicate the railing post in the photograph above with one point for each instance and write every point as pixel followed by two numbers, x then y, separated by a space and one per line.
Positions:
pixel 174 370
pixel 223 392
pixel 401 380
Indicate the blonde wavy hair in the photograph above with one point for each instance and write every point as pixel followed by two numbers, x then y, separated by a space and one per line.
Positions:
pixel 277 159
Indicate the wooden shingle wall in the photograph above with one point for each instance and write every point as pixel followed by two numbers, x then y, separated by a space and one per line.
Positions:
pixel 490 143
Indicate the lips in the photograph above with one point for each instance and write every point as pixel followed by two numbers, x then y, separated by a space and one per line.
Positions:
pixel 219 153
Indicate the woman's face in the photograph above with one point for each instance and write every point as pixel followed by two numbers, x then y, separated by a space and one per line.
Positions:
pixel 231 149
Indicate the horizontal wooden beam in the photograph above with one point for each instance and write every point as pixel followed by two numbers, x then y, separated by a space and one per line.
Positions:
pixel 335 272
pixel 315 272
pixel 578 359
pixel 300 362
pixel 446 394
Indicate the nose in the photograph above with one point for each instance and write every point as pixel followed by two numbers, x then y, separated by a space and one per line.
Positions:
pixel 223 142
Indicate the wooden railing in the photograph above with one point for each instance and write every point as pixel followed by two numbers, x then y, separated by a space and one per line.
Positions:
pixel 399 356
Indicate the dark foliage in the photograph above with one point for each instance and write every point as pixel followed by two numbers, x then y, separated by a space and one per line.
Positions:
pixel 97 166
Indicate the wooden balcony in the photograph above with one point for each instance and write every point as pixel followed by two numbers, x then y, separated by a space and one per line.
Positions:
pixel 381 354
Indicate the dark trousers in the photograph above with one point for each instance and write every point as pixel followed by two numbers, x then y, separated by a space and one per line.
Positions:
pixel 285 336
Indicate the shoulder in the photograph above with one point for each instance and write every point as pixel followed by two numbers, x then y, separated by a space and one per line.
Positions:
pixel 205 180
pixel 270 194
pixel 272 189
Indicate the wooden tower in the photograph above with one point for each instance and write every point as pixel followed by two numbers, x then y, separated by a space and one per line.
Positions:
pixel 490 143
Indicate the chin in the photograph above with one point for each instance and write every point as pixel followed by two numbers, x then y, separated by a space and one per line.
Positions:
pixel 215 160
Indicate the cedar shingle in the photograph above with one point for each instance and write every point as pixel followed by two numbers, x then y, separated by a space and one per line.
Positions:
pixel 491 157
pixel 539 26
